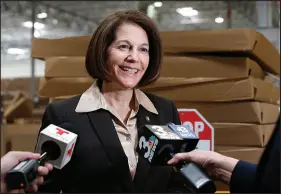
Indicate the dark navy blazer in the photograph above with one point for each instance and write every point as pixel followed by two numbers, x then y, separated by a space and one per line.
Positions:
pixel 263 177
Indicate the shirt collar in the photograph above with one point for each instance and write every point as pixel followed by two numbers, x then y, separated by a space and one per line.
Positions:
pixel 92 100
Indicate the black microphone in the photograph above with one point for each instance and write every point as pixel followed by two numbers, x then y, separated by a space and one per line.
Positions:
pixel 54 144
pixel 158 144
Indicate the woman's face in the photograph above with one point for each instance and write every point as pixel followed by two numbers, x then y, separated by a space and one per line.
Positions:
pixel 128 55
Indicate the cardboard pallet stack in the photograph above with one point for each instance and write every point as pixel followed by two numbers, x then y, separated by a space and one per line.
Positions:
pixel 242 108
pixel 21 116
pixel 221 73
pixel 17 121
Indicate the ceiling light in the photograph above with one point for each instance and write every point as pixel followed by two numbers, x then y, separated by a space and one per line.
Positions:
pixel 55 21
pixel 37 25
pixel 219 20
pixel 158 4
pixel 151 11
pixel 42 15
pixel 187 11
pixel 36 33
pixel 16 51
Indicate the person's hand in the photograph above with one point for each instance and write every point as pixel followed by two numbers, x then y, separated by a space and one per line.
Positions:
pixel 11 159
pixel 217 166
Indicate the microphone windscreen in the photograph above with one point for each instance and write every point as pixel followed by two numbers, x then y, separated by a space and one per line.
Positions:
pixel 52 148
pixel 56 144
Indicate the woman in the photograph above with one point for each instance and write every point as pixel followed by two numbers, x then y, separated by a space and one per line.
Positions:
pixel 125 53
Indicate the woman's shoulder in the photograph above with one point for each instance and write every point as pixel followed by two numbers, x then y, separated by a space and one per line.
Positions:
pixel 166 109
pixel 158 100
pixel 61 111
pixel 67 104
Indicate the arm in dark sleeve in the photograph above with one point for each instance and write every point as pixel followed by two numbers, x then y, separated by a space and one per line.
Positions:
pixel 176 117
pixel 243 177
pixel 52 180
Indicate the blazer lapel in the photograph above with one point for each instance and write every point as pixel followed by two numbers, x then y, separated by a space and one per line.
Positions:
pixel 143 117
pixel 106 132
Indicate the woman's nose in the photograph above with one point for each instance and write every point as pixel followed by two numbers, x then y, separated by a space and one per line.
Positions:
pixel 133 56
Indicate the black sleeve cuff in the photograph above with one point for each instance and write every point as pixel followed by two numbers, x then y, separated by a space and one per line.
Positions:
pixel 243 177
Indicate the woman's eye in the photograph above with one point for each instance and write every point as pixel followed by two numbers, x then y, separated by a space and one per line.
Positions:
pixel 123 46
pixel 144 50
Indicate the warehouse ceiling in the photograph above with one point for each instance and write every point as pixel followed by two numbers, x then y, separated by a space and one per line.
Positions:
pixel 56 19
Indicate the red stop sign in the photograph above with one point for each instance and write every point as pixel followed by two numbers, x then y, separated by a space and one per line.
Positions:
pixel 203 129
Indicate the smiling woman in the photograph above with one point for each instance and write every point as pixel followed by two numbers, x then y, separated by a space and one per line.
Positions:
pixel 128 56
pixel 124 54
pixel 133 33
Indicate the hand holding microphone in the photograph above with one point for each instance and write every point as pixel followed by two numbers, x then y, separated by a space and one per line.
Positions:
pixel 11 159
pixel 55 144
pixel 158 144
pixel 217 166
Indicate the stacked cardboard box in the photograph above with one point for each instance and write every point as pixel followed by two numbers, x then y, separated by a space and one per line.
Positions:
pixel 20 115
pixel 243 110
pixel 18 136
pixel 19 107
pixel 12 89
pixel 18 84
pixel 17 118
pixel 221 73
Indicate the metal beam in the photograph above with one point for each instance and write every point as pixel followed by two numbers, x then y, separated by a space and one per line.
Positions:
pixel 229 14
pixel 32 80
pixel 143 6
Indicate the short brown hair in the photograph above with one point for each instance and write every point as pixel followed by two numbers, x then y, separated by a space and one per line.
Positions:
pixel 105 34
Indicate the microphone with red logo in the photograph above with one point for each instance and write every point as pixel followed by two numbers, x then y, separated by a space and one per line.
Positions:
pixel 158 144
pixel 55 144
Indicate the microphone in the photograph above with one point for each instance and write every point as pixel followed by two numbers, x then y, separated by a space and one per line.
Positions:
pixel 55 144
pixel 158 144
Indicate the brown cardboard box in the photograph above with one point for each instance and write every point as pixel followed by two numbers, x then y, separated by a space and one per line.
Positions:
pixel 3 143
pixel 250 154
pixel 17 96
pixel 20 107
pixel 59 98
pixel 242 134
pixel 20 137
pixel 70 46
pixel 52 87
pixel 221 187
pixel 6 97
pixel 210 66
pixel 69 86
pixel 173 66
pixel 26 121
pixel 177 89
pixel 6 103
pixel 164 82
pixel 65 67
pixel 220 91
pixel 38 112
pixel 235 112
pixel 17 84
pixel 227 42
